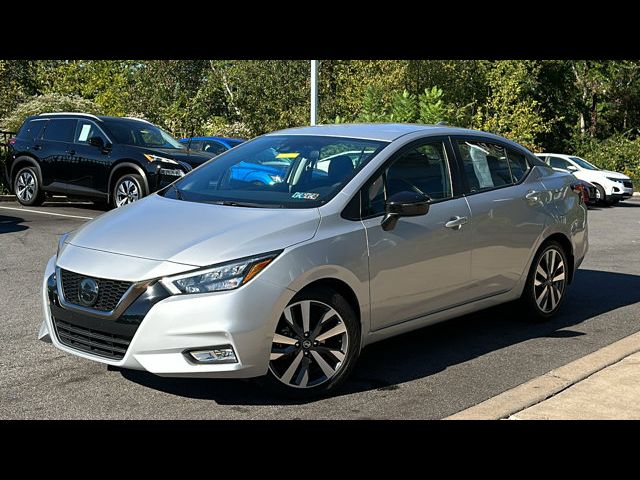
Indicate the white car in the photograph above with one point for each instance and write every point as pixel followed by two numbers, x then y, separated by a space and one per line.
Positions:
pixel 611 187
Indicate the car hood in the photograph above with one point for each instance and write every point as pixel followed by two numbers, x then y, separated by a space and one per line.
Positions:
pixel 611 174
pixel 199 234
pixel 192 157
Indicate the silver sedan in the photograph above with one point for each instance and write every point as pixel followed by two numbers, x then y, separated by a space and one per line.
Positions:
pixel 287 255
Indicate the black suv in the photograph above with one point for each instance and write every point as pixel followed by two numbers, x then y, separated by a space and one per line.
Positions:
pixel 109 160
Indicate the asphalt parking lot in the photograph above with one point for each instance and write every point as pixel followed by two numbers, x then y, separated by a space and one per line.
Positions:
pixel 430 373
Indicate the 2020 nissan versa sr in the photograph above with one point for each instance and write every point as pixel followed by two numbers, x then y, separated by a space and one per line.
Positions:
pixel 364 232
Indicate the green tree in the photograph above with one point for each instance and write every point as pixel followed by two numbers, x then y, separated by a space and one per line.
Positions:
pixel 403 107
pixel 373 108
pixel 510 109
pixel 431 106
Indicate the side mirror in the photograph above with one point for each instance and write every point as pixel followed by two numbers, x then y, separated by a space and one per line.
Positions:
pixel 96 142
pixel 572 168
pixel 404 204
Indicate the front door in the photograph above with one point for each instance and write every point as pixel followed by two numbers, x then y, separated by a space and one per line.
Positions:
pixel 422 265
pixel 89 168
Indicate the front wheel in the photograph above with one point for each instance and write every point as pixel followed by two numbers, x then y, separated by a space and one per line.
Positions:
pixel 127 189
pixel 601 196
pixel 546 283
pixel 315 345
pixel 27 188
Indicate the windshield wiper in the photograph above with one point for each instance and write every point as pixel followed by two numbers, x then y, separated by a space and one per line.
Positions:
pixel 232 203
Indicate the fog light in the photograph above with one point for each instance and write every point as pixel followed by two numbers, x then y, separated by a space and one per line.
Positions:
pixel 218 354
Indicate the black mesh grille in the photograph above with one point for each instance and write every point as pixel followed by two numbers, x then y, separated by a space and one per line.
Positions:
pixel 628 184
pixel 92 341
pixel 109 291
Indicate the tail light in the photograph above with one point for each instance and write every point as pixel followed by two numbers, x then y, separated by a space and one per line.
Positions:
pixel 12 141
pixel 583 193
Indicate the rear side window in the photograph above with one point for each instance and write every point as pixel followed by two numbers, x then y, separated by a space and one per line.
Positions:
pixel 60 130
pixel 214 147
pixel 32 130
pixel 194 145
pixel 557 162
pixel 518 164
pixel 485 164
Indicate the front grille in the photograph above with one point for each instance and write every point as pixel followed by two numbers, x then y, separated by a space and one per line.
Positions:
pixel 93 341
pixel 628 183
pixel 109 291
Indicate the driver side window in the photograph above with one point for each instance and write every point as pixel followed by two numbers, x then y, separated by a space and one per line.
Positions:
pixel 423 169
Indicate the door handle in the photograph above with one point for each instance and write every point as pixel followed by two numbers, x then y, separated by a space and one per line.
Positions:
pixel 456 222
pixel 71 152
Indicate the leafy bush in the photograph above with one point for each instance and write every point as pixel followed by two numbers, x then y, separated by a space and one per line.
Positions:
pixel 48 103
pixel 219 127
pixel 618 153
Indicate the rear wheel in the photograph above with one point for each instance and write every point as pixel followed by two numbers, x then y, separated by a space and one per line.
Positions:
pixel 315 345
pixel 27 188
pixel 546 283
pixel 127 189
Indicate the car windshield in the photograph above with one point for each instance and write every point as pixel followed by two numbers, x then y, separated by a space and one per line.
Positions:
pixel 141 134
pixel 584 164
pixel 277 171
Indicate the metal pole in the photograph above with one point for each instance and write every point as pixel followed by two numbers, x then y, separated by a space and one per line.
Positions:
pixel 314 92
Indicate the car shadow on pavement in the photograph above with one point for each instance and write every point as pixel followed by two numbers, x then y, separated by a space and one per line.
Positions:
pixel 631 204
pixel 10 224
pixel 418 354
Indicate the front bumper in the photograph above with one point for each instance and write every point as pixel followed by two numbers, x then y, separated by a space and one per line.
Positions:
pixel 244 318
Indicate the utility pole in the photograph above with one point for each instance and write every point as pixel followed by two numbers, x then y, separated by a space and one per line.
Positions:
pixel 314 92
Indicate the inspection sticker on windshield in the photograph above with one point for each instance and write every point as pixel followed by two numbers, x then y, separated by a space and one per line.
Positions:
pixel 306 195
pixel 287 155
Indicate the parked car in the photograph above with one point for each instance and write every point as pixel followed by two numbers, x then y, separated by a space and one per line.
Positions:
pixel 106 159
pixel 289 281
pixel 611 187
pixel 213 145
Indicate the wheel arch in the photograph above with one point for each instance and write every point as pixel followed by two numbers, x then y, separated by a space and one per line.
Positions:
pixel 122 168
pixel 22 161
pixel 564 241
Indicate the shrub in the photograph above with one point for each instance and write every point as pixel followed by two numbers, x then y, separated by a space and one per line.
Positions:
pixel 48 103
pixel 618 153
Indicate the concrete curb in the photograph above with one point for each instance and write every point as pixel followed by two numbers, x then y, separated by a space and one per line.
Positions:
pixel 539 389
pixel 7 198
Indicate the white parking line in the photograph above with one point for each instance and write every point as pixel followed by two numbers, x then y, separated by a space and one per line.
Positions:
pixel 47 213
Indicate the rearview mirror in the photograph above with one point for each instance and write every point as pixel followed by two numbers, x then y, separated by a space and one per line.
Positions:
pixel 404 204
pixel 96 142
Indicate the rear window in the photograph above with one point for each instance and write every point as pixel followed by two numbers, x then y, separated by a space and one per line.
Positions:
pixel 31 130
pixel 61 130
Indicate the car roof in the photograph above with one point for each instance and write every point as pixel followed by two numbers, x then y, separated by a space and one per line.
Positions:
pixel 564 155
pixel 380 131
pixel 91 116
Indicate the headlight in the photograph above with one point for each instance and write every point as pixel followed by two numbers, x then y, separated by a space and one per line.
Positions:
pixel 226 276
pixel 619 180
pixel 63 237
pixel 156 158
pixel 275 178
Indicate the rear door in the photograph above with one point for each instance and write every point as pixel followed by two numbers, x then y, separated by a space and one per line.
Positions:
pixel 57 153
pixel 422 265
pixel 504 196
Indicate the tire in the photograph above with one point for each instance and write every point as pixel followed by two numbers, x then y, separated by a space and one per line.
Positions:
pixel 127 189
pixel 538 305
pixel 27 187
pixel 303 367
pixel 601 196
